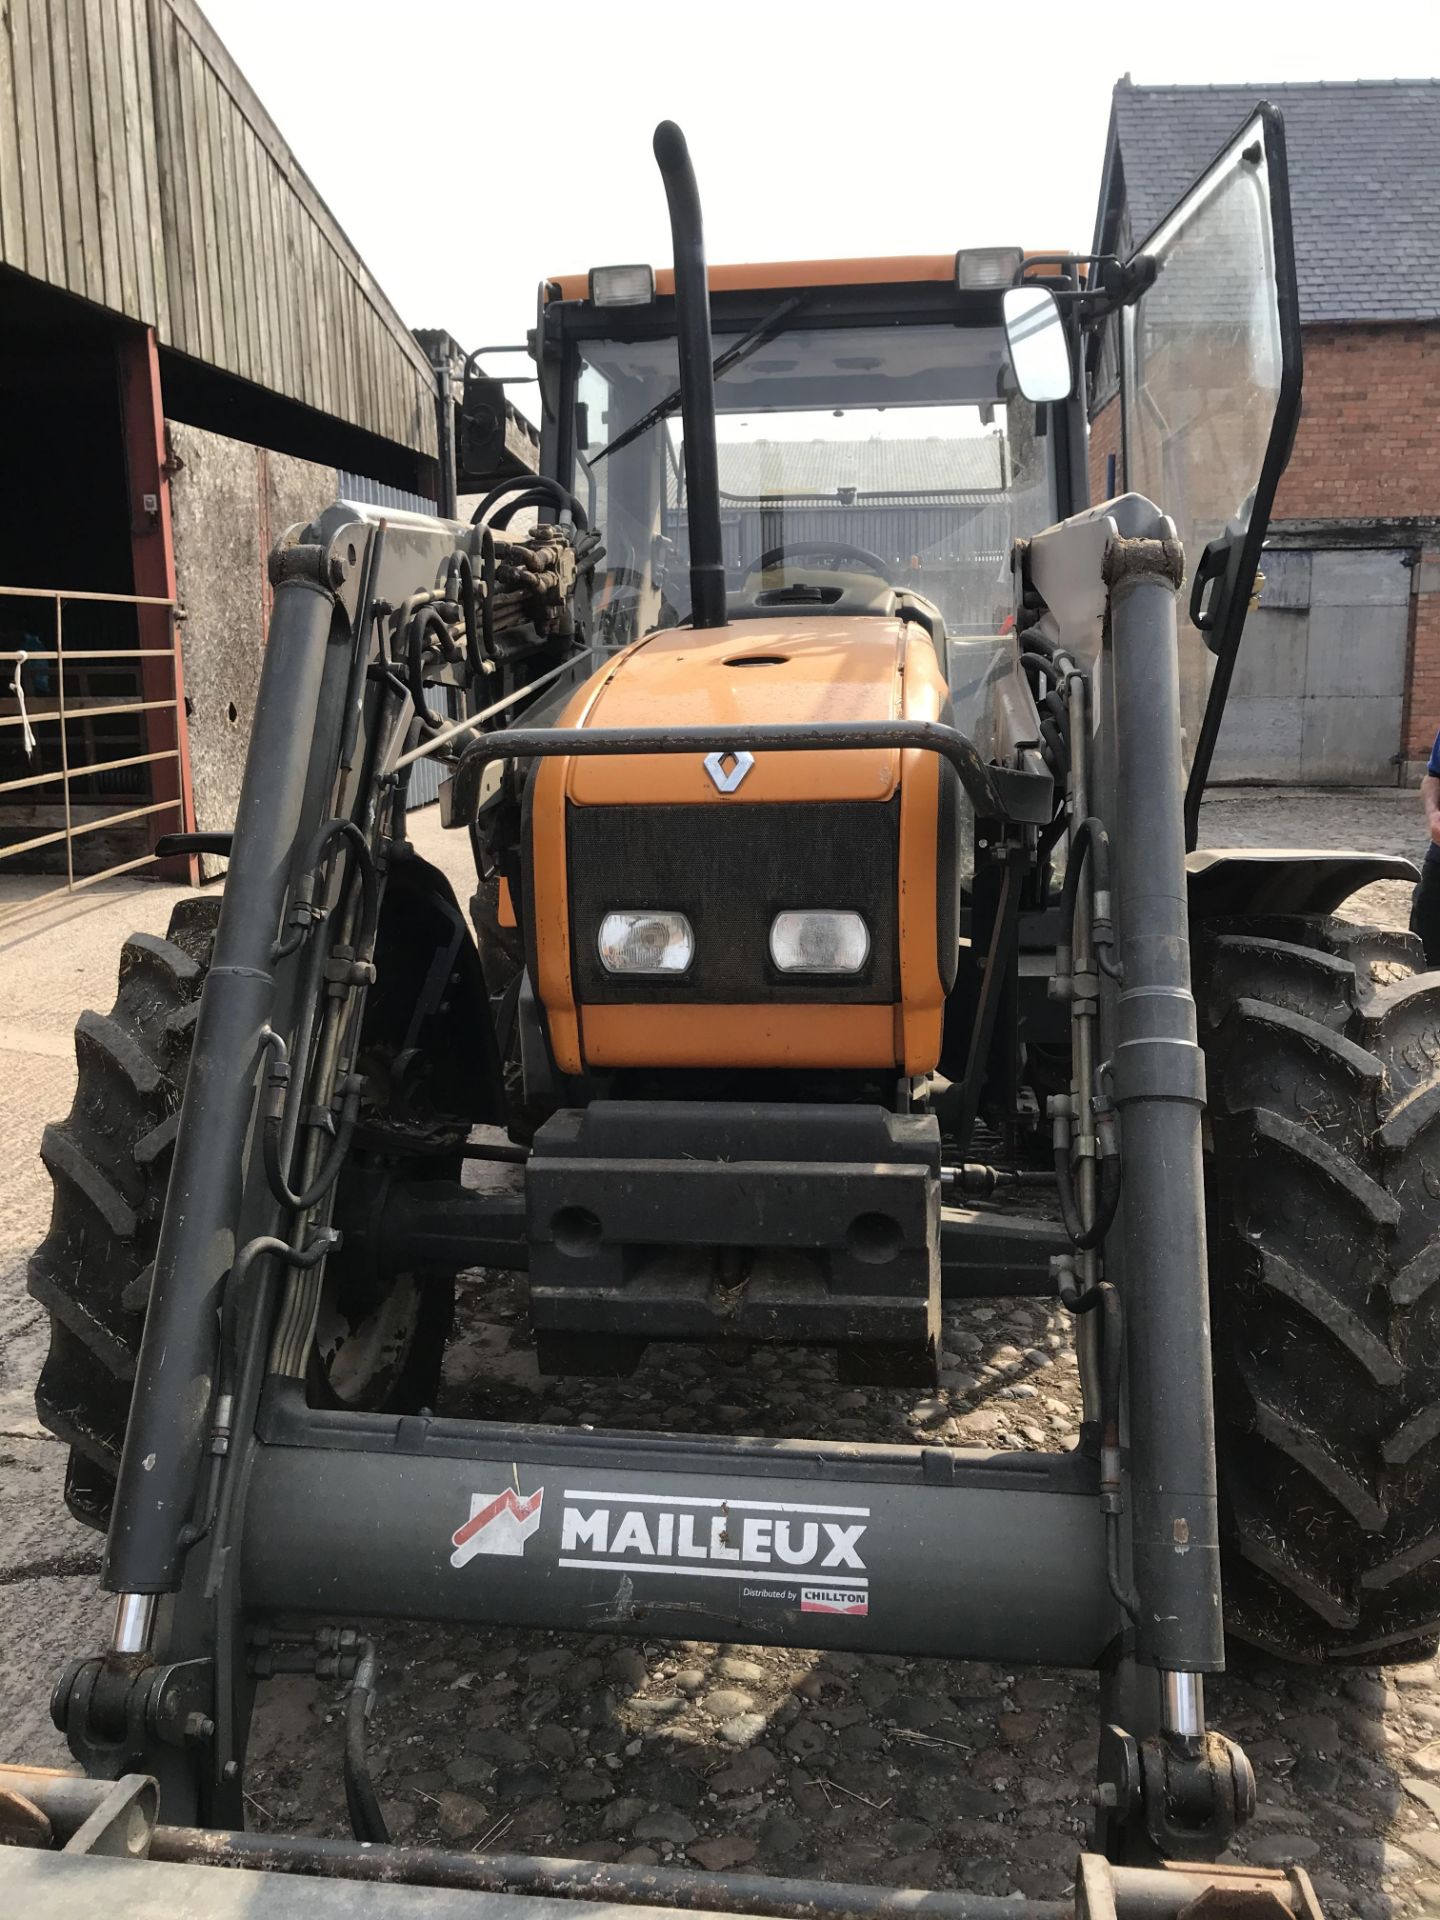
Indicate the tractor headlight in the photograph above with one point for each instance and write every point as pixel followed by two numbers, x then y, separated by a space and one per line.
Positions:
pixel 642 940
pixel 819 940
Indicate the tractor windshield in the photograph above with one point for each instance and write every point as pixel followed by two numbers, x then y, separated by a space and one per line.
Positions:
pixel 909 442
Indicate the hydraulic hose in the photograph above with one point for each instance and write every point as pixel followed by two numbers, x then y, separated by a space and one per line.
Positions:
pixel 273 1130
pixel 422 623
pixel 1085 1238
pixel 223 1405
pixel 302 910
pixel 1070 891
pixel 1041 663
pixel 539 490
pixel 1058 754
pixel 487 598
pixel 1053 721
pixel 536 497
pixel 1112 1318
pixel 1112 1357
pixel 503 1151
pixel 470 612
pixel 367 1822
pixel 1091 842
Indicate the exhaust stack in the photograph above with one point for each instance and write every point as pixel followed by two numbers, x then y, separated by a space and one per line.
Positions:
pixel 697 380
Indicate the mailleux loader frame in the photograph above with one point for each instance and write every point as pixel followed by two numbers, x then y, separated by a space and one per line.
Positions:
pixel 252 1531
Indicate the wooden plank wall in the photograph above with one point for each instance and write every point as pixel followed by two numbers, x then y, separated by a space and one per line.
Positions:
pixel 139 171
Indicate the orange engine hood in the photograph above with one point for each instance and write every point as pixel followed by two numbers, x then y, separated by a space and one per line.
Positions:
pixel 798 670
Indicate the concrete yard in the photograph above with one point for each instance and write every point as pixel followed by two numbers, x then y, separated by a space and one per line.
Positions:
pixel 913 1772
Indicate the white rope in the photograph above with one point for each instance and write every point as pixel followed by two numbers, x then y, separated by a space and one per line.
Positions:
pixel 27 732
pixel 447 734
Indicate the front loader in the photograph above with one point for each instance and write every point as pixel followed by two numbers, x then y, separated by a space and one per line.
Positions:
pixel 831 766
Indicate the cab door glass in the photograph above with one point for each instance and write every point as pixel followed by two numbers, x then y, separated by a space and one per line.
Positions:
pixel 1211 389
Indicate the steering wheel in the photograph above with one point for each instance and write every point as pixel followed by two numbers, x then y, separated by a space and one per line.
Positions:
pixel 821 549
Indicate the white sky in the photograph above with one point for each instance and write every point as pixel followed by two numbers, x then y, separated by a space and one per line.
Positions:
pixel 469 148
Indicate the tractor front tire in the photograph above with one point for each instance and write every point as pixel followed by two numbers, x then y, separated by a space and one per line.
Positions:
pixel 109 1163
pixel 1322 1043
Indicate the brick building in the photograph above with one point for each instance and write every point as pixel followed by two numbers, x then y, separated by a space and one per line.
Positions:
pixel 1339 674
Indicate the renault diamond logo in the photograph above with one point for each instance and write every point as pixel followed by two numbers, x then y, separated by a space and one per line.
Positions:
pixel 728 779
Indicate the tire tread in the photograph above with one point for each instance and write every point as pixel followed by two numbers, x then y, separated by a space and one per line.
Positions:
pixel 1322 1043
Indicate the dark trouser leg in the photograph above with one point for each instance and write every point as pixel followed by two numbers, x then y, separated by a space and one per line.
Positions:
pixel 1425 913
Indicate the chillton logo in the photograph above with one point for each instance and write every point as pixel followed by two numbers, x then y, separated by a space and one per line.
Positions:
pixel 498 1523
pixel 833 1600
pixel 764 1540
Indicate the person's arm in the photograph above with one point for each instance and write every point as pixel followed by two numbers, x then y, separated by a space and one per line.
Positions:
pixel 1430 795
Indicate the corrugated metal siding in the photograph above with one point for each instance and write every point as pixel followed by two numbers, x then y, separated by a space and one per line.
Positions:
pixel 953 549
pixel 139 171
pixel 945 531
pixel 940 463
pixel 375 493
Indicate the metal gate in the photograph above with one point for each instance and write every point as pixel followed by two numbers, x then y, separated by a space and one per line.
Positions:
pixel 92 747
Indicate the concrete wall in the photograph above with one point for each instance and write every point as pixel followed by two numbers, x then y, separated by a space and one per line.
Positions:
pixel 230 502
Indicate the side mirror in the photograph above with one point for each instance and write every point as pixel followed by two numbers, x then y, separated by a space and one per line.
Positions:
pixel 1039 351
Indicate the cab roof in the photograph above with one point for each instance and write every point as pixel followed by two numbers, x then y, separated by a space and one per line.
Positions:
pixel 762 275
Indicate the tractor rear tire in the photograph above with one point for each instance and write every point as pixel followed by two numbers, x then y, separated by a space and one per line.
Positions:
pixel 109 1163
pixel 1322 1043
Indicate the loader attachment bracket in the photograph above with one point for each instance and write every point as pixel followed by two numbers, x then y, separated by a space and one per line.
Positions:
pixel 62 1871
pixel 112 1708
pixel 1197 1791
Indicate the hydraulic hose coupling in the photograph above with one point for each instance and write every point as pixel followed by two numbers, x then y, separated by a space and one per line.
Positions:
pixel 277 1074
pixel 1102 1145
pixel 1111 1500
pixel 1065 1276
pixel 346 969
pixel 221 1423
pixel 1102 933
pixel 302 917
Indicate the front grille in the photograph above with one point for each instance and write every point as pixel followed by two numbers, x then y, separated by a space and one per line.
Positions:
pixel 731 869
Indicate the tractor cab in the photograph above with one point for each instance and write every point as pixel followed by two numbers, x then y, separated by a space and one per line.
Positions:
pixel 875 453
pixel 808 518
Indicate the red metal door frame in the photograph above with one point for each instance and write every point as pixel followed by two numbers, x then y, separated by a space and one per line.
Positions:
pixel 152 547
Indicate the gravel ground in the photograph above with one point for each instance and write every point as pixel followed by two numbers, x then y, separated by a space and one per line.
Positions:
pixel 903 1771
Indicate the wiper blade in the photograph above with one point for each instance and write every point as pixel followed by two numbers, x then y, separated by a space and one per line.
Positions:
pixel 732 356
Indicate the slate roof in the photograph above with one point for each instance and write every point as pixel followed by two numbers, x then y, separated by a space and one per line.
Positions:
pixel 1364 182
pixel 871 466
